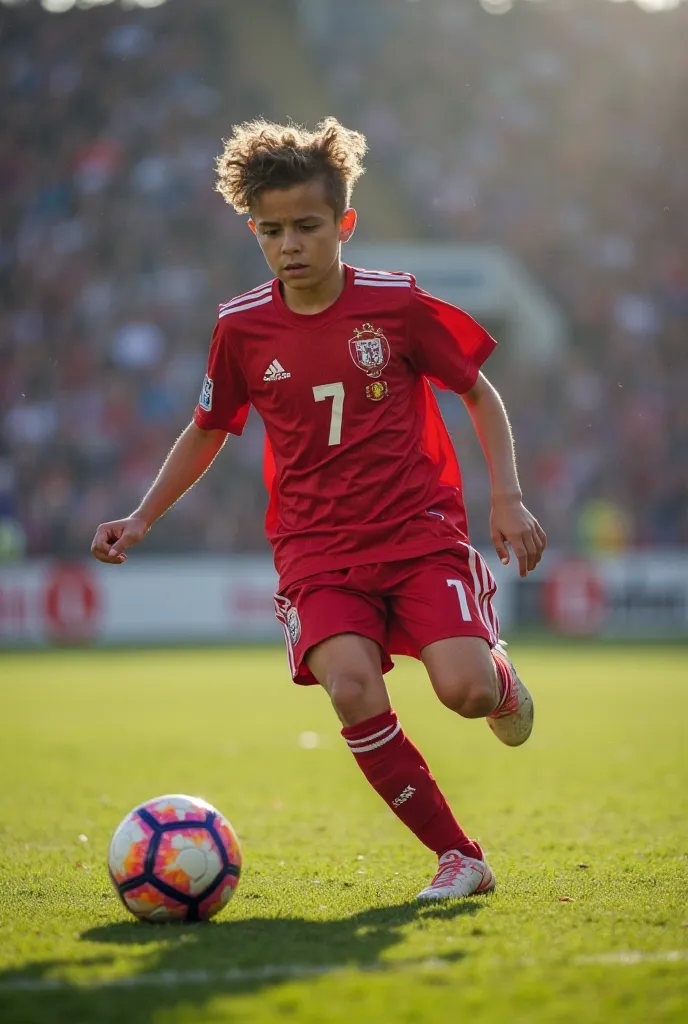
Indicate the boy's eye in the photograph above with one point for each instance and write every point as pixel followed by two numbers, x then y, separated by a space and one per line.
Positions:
pixel 309 227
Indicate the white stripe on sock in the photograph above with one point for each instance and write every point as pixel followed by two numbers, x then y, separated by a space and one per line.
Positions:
pixel 374 746
pixel 372 736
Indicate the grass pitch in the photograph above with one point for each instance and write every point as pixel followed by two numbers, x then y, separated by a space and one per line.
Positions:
pixel 585 827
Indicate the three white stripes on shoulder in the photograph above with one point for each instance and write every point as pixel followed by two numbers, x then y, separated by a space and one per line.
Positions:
pixel 365 278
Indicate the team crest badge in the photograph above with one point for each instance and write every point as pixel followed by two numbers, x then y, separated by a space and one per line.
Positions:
pixel 370 350
pixel 206 399
pixel 377 390
pixel 294 625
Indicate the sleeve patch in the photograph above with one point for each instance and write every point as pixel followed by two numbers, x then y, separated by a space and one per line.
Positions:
pixel 206 399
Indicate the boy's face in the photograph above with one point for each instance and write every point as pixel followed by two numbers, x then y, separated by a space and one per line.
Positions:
pixel 299 234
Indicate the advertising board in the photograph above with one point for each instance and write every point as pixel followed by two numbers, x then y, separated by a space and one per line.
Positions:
pixel 206 599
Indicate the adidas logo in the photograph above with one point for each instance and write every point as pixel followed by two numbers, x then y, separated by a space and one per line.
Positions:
pixel 275 371
pixel 405 795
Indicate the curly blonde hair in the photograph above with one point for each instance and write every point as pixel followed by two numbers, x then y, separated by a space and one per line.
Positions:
pixel 263 155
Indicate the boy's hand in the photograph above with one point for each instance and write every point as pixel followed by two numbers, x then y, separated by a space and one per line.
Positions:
pixel 112 539
pixel 511 523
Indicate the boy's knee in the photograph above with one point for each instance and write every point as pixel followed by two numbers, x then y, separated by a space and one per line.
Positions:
pixel 347 692
pixel 473 696
pixel 348 668
pixel 356 697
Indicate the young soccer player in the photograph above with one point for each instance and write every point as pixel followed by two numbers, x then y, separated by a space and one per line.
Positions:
pixel 365 513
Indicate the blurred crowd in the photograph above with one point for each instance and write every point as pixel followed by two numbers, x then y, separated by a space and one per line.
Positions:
pixel 114 254
pixel 559 130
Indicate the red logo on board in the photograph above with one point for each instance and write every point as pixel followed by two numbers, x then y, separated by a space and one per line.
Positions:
pixel 71 602
pixel 575 602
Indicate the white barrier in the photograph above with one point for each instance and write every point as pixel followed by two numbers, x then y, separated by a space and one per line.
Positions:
pixel 204 599
pixel 643 596
pixel 152 600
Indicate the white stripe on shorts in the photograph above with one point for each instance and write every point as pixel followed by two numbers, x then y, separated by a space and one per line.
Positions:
pixel 489 611
pixel 484 587
pixel 282 606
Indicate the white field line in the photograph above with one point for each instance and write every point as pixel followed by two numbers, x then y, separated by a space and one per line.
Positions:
pixel 668 956
pixel 268 972
pixel 164 979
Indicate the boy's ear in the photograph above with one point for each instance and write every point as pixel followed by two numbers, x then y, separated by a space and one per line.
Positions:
pixel 252 225
pixel 348 225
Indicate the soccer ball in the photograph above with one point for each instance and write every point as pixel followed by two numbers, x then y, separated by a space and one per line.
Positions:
pixel 174 859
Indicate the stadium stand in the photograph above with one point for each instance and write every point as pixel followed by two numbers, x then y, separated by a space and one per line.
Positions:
pixel 115 253
pixel 558 131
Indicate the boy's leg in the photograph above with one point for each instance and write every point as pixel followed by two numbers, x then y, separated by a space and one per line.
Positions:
pixel 336 629
pixel 477 682
pixel 442 613
pixel 464 675
pixel 348 666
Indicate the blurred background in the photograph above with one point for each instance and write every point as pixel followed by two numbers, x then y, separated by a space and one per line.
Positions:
pixel 527 160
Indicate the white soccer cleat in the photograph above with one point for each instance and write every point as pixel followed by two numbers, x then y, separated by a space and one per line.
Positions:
pixel 512 723
pixel 458 876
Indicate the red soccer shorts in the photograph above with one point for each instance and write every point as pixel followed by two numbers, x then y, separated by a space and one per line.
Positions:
pixel 402 606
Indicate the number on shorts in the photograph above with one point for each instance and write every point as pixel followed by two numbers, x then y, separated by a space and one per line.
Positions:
pixel 336 393
pixel 463 601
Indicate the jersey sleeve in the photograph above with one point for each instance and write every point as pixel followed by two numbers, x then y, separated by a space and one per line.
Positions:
pixel 224 403
pixel 446 345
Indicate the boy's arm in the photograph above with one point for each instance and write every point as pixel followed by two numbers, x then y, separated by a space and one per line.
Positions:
pixel 192 454
pixel 510 520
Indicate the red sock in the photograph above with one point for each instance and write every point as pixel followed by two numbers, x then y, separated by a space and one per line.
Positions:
pixel 508 695
pixel 397 771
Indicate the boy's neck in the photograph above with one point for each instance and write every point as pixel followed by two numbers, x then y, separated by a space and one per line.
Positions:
pixel 310 301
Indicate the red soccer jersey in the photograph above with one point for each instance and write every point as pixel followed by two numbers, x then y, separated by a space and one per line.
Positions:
pixel 359 466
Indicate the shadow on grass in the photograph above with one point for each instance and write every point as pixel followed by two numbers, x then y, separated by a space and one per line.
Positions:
pixel 189 965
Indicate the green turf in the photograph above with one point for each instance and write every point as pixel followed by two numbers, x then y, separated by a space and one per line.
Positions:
pixel 592 809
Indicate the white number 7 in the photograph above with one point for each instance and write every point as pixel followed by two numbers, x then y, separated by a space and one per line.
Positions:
pixel 461 594
pixel 336 393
